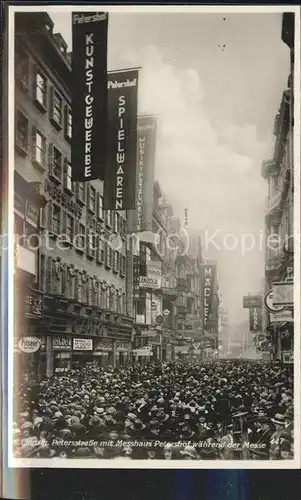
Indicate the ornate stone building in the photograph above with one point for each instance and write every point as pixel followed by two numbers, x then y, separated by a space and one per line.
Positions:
pixel 78 275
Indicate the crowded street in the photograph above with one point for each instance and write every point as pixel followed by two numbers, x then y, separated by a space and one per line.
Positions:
pixel 226 409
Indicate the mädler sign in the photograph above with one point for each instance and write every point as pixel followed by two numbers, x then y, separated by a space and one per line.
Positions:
pixel 208 275
pixel 120 178
pixel 89 95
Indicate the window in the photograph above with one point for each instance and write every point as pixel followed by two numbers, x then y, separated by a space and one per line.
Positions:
pixel 21 67
pixel 69 227
pixel 109 256
pixel 57 105
pixel 21 131
pixel 81 192
pixel 116 261
pixel 41 89
pixel 80 238
pixel 116 222
pixel 109 218
pixel 122 265
pixel 69 124
pixel 57 164
pixel 100 207
pixel 101 251
pixel 91 243
pixel 39 148
pixel 56 219
pixel 69 183
pixel 92 199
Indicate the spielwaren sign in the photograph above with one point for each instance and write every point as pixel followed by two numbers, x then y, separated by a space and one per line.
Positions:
pixel 89 95
pixel 120 177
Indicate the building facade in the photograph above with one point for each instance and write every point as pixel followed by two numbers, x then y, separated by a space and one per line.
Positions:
pixel 74 251
pixel 279 224
pixel 155 286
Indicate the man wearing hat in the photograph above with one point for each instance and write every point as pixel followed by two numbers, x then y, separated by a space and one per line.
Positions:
pixel 277 436
pixel 260 439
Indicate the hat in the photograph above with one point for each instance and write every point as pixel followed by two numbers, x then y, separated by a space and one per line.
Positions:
pixel 99 411
pixel 189 451
pixel 279 419
pixel 161 416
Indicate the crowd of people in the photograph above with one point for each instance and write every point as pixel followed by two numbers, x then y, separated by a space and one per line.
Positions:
pixel 226 409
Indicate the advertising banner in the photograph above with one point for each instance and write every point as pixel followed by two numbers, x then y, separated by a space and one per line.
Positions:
pixel 120 177
pixel 255 319
pixel 250 301
pixel 154 269
pixel 285 316
pixel 61 343
pixel 283 294
pixel 136 274
pixel 208 274
pixel 146 282
pixel 82 344
pixel 89 95
pixel 141 218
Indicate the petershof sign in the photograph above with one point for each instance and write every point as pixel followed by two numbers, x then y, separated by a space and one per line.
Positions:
pixel 120 175
pixel 283 294
pixel 29 345
pixel 89 95
pixel 82 344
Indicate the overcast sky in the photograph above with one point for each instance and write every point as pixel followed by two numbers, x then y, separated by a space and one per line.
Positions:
pixel 217 108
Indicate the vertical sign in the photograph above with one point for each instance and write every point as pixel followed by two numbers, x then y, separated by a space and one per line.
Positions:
pixel 136 274
pixel 255 319
pixel 120 186
pixel 89 95
pixel 208 272
pixel 141 219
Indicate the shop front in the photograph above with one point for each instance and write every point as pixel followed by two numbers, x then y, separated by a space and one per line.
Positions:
pixel 103 352
pixel 142 355
pixel 82 352
pixel 123 352
pixel 62 354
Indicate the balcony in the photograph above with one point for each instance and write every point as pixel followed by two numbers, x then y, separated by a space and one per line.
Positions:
pixel 26 260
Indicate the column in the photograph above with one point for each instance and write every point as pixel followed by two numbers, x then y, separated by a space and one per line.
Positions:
pixel 49 356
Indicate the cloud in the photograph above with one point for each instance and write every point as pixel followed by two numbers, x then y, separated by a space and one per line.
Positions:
pixel 211 168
